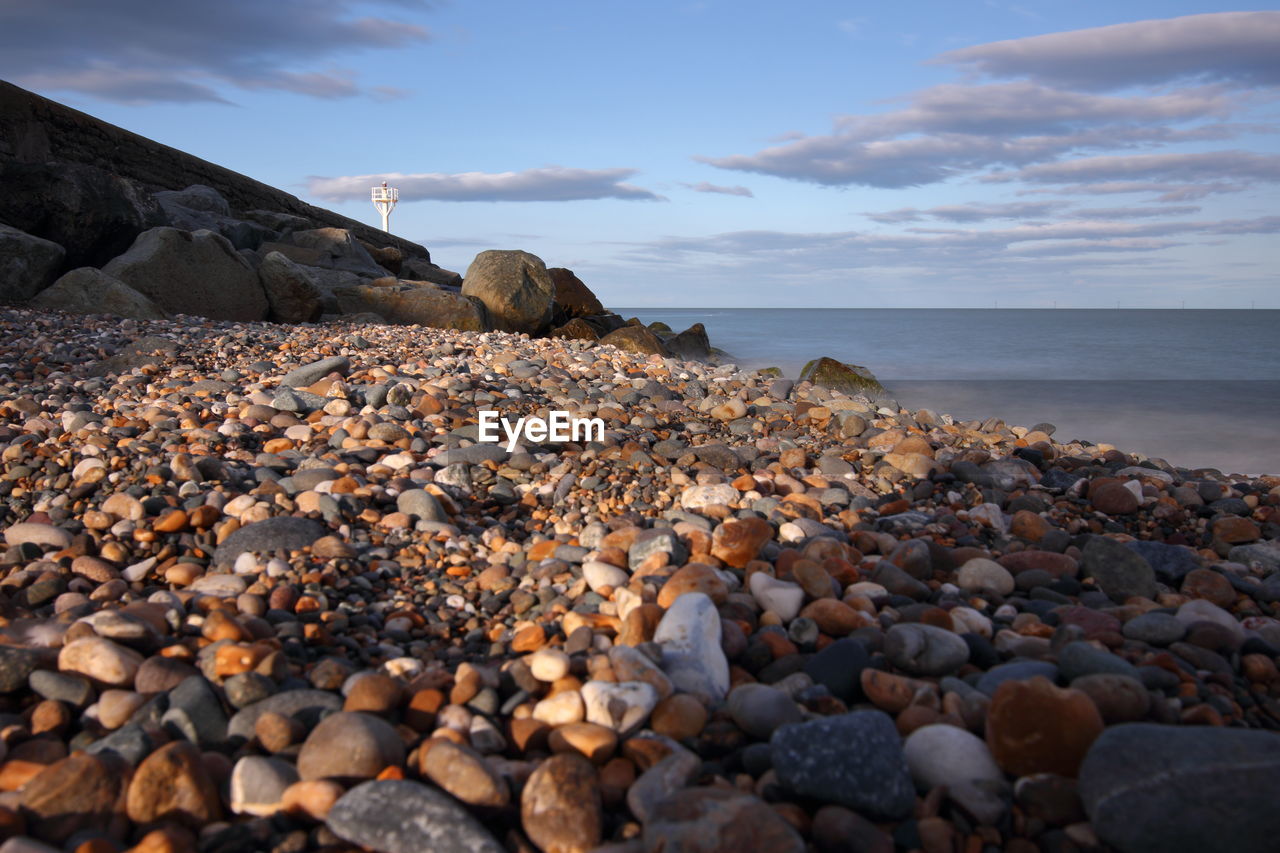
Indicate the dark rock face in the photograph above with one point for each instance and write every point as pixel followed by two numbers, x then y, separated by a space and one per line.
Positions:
pixel 61 153
pixel 290 290
pixel 1149 787
pixel 576 329
pixel 838 376
pixel 28 264
pixel 515 288
pixel 691 344
pixel 93 214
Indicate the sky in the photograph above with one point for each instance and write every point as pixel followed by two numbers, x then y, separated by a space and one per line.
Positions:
pixel 730 153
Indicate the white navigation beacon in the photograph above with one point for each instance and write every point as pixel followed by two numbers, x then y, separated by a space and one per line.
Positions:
pixel 384 199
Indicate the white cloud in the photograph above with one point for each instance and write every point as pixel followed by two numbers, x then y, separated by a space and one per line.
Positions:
pixel 1237 166
pixel 1240 47
pixel 967 212
pixel 552 183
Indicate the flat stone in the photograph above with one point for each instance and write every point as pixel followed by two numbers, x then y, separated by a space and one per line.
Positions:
pixel 853 759
pixel 173 784
pixel 100 660
pixel 1183 789
pixel 1035 727
pixel 944 755
pixel 281 533
pixel 463 772
pixel 421 504
pixel 925 650
pixel 1120 572
pixel 759 709
pixel 782 597
pixel 309 374
pixel 74 794
pixel 195 713
pixel 400 816
pixel 45 536
pixel 307 706
pixel 622 706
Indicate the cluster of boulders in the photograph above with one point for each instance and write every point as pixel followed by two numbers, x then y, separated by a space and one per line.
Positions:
pixel 192 254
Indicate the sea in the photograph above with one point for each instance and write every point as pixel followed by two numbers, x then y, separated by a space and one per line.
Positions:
pixel 1197 388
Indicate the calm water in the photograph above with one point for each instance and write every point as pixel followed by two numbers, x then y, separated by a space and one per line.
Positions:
pixel 1198 388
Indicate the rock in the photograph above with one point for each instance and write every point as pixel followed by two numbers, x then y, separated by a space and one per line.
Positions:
pixel 172 784
pixel 28 264
pixel 700 497
pixel 689 634
pixel 280 533
pixel 1015 670
pixel 515 289
pixel 350 745
pixel 673 773
pixel 195 713
pixel 1080 658
pixel 1119 698
pixel 636 339
pixel 838 830
pixel 576 329
pixel 1266 555
pixel 46 536
pixel 759 709
pixel 308 374
pixel 414 303
pixel 560 807
pixel 463 772
pixel 781 597
pixel 421 504
pixel 17 665
pixel 399 816
pixel 622 706
pixel 91 291
pixel 1035 727
pixel 849 379
pixel 712 820
pixel 1114 499
pixel 101 660
pixel 1177 789
pixel 417 269
pixel 306 706
pixel 1170 562
pixel 981 575
pixel 1058 565
pixel 600 575
pixel 839 668
pixel 944 755
pixel 191 273
pixel 1157 629
pixel 292 295
pixel 691 344
pixel 258 785
pixel 573 298
pixel 74 794
pixel 920 649
pixel 334 249
pixel 854 760
pixel 200 207
pixel 1119 571
pixel 738 541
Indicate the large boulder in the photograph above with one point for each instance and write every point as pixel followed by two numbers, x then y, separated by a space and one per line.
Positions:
pixel 515 289
pixel 637 339
pixel 691 344
pixel 576 329
pixel 413 303
pixel 192 273
pixel 290 290
pixel 573 298
pixel 848 379
pixel 91 291
pixel 93 214
pixel 389 258
pixel 198 207
pixel 27 264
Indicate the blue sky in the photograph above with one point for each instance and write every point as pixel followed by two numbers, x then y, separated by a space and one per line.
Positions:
pixel 733 153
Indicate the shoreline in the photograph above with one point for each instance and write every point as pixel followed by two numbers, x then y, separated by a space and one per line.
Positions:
pixel 756 608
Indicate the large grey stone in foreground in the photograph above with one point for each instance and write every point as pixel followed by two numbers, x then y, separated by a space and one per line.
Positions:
pixel 1119 571
pixel 91 291
pixel 854 760
pixel 515 288
pixel 399 816
pixel 27 264
pixel 197 273
pixel 308 374
pixel 282 533
pixel 1149 788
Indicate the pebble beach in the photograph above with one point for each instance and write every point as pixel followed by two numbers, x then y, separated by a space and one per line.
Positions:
pixel 261 588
